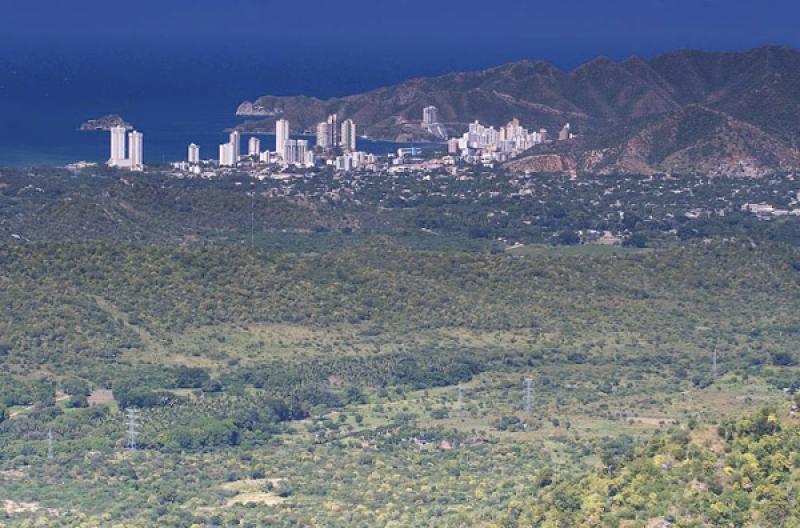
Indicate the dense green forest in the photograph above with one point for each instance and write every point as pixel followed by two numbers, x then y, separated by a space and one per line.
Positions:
pixel 356 353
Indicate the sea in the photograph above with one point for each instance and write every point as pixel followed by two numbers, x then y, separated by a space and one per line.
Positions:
pixel 180 93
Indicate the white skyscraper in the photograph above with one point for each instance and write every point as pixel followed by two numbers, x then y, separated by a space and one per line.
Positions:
pixel 117 146
pixel 194 154
pixel 348 140
pixel 295 151
pixel 281 136
pixel 226 155
pixel 236 144
pixel 332 120
pixel 136 146
pixel 324 135
pixel 254 147
pixel 430 115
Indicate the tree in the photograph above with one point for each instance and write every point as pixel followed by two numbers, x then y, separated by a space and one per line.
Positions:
pixel 569 238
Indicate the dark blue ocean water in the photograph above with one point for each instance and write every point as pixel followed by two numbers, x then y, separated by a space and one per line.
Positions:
pixel 177 93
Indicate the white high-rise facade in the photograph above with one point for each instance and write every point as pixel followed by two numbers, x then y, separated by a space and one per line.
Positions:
pixel 281 136
pixel 194 154
pixel 348 140
pixel 430 115
pixel 226 155
pixel 135 140
pixel 295 151
pixel 324 135
pixel 344 162
pixel 136 146
pixel 117 146
pixel 332 120
pixel 236 143
pixel 253 147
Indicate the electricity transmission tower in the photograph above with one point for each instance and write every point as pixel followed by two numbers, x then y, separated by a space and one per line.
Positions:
pixel 528 395
pixel 133 428
pixel 50 444
pixel 714 364
pixel 460 401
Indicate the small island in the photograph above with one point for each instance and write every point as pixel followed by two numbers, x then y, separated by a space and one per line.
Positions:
pixel 106 122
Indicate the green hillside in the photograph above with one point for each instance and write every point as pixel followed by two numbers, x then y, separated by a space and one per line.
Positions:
pixel 373 384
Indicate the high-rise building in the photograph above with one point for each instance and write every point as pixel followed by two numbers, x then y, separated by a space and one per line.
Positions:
pixel 324 135
pixel 295 151
pixel 226 155
pixel 117 146
pixel 236 144
pixel 344 162
pixel 194 154
pixel 136 146
pixel 253 147
pixel 430 115
pixel 281 135
pixel 348 140
pixel 332 120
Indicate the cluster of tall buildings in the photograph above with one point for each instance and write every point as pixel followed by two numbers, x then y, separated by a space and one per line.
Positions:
pixel 292 151
pixel 486 144
pixel 134 160
pixel 229 152
pixel 287 150
pixel 330 134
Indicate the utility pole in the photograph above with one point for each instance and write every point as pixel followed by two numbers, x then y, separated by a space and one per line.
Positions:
pixel 50 444
pixel 133 428
pixel 528 395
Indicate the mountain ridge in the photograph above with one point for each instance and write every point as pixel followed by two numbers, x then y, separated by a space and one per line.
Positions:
pixel 758 88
